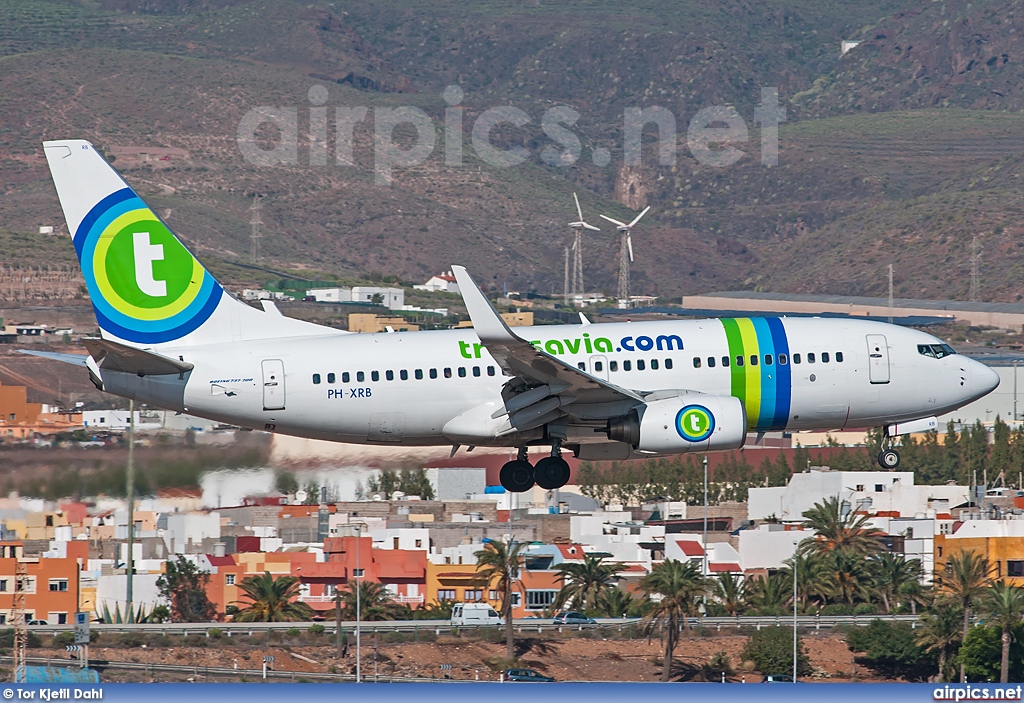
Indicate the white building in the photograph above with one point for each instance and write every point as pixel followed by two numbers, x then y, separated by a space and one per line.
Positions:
pixel 770 545
pixel 118 420
pixel 184 529
pixel 391 298
pixel 444 282
pixel 330 295
pixel 406 538
pixel 872 492
pixel 457 483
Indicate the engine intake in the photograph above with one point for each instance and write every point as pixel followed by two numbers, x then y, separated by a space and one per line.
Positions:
pixel 683 424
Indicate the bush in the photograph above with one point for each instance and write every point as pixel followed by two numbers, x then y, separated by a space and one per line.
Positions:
pixel 215 633
pixel 890 648
pixel 771 650
pixel 865 609
pixel 982 653
pixel 837 609
pixel 129 639
pixel 316 629
pixel 63 640
pixel 293 632
pixel 197 641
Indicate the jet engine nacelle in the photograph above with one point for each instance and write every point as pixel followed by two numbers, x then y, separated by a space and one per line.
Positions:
pixel 683 424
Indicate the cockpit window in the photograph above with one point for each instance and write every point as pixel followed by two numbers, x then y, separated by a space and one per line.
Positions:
pixel 935 351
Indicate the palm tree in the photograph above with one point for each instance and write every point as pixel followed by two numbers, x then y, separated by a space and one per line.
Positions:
pixel 614 602
pixel 374 603
pixel 915 594
pixel 812 577
pixel 583 583
pixel 271 600
pixel 940 632
pixel 890 573
pixel 679 585
pixel 834 532
pixel 729 593
pixel 848 576
pixel 964 577
pixel 1003 605
pixel 768 594
pixel 498 563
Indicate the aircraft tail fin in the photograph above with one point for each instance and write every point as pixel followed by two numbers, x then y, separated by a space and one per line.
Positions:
pixel 146 288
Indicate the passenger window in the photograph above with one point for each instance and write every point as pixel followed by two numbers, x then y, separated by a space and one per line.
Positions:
pixel 418 374
pixel 331 378
pixel 810 357
pixel 613 366
pixel 753 359
pixel 796 358
pixel 627 365
pixel 598 366
pixel 447 373
pixel 668 363
pixel 433 373
pixel 725 362
pixel 696 362
pixel 390 375
pixel 739 360
pixel 581 366
pixel 462 372
pixel 404 375
pixel 375 375
pixel 476 370
pixel 767 359
pixel 654 364
pixel 824 357
pixel 360 376
pixel 316 378
pixel 641 365
pixel 711 362
pixel 839 357
pixel 490 370
pixel 782 360
pixel 345 377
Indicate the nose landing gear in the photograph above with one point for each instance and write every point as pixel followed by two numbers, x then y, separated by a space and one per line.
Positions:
pixel 889 458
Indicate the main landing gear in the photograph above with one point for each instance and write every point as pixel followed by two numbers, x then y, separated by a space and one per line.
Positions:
pixel 889 458
pixel 551 472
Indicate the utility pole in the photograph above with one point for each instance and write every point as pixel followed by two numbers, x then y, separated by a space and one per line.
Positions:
pixel 255 235
pixel 704 572
pixel 794 603
pixel 20 626
pixel 565 291
pixel 359 614
pixel 130 490
pixel 890 294
pixel 975 260
pixel 338 634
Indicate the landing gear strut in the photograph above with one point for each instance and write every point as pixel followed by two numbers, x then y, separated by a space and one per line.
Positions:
pixel 517 475
pixel 552 471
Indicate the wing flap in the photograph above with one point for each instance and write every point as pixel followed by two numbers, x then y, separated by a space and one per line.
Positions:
pixel 112 356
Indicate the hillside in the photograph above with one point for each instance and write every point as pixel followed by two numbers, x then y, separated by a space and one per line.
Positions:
pixel 876 166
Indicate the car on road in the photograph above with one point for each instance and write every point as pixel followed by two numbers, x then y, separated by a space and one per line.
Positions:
pixel 38 622
pixel 573 618
pixel 526 675
pixel 777 678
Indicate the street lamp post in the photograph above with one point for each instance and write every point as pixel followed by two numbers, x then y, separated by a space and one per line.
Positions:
pixel 704 571
pixel 359 613
pixel 794 617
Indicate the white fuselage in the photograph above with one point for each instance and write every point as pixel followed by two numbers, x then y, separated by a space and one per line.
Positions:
pixel 403 388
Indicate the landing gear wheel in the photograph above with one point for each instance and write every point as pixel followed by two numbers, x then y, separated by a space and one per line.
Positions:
pixel 517 476
pixel 889 459
pixel 552 472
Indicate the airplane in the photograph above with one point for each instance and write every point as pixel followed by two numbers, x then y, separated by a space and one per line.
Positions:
pixel 173 337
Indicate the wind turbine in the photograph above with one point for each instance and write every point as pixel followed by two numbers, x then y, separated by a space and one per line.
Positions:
pixel 625 253
pixel 577 248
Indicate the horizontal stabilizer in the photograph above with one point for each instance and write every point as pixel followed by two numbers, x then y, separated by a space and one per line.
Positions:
pixel 119 357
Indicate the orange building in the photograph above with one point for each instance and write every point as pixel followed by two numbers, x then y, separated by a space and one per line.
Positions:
pixel 999 541
pixel 51 586
pixel 401 571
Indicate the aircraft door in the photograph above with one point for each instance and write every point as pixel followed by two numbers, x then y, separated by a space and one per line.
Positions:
pixel 273 384
pixel 599 367
pixel 878 359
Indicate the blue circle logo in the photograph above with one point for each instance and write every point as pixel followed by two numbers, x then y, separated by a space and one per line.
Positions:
pixel 695 423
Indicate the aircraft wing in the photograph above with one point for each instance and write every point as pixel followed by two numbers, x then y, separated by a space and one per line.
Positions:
pixel 76 359
pixel 120 357
pixel 543 378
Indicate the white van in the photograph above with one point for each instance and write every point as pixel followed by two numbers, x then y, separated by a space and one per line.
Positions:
pixel 475 614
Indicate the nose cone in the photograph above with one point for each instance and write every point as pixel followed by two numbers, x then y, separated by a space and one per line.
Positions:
pixel 983 379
